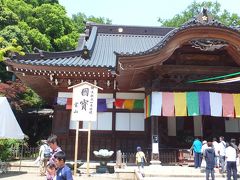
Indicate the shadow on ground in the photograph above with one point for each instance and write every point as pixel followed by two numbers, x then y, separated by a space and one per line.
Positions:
pixel 12 173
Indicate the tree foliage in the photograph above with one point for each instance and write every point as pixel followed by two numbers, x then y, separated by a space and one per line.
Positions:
pixel 227 18
pixel 20 96
pixel 80 19
pixel 7 48
pixel 6 146
pixel 7 17
pixel 40 2
pixel 43 24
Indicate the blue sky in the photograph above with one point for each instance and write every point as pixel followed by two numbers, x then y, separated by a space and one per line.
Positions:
pixel 137 12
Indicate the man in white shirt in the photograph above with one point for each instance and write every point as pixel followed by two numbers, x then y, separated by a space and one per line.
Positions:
pixel 231 157
pixel 216 148
pixel 222 152
pixel 42 159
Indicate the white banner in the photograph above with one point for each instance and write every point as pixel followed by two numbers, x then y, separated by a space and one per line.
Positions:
pixel 156 104
pixel 84 103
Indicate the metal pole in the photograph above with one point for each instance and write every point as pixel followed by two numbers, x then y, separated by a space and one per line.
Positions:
pixel 76 149
pixel 88 146
pixel 21 156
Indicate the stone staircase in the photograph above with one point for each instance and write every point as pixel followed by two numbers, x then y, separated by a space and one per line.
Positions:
pixel 25 166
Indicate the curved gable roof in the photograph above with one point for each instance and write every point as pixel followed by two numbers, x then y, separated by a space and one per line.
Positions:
pixel 104 40
pixel 193 23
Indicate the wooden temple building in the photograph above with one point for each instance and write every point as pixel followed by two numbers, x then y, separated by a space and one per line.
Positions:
pixel 132 64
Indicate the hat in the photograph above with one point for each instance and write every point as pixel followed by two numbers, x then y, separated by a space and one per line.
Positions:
pixel 44 141
pixel 204 142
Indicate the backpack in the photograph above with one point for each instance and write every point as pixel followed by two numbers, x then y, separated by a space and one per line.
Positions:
pixel 47 152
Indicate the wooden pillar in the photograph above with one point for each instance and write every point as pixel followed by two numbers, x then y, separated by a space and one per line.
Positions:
pixel 114 141
pixel 155 141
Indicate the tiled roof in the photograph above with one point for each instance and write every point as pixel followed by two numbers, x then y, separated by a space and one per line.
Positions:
pixel 170 35
pixel 102 43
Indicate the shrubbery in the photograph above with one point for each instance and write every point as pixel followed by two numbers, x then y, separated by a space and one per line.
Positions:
pixel 6 146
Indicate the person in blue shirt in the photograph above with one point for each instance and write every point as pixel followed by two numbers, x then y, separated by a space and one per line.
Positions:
pixel 197 146
pixel 63 171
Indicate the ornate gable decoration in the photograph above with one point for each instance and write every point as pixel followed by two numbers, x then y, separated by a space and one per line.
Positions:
pixel 204 17
pixel 208 44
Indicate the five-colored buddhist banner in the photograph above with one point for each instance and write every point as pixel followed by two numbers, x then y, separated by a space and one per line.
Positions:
pixel 193 104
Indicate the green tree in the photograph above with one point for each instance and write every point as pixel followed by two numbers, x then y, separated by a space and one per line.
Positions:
pixel 80 20
pixel 40 2
pixel 43 24
pixel 20 35
pixel 195 8
pixel 7 17
pixel 37 23
pixel 66 42
pixel 20 8
pixel 6 146
pixel 30 99
pixel 39 40
pixel 52 21
pixel 6 48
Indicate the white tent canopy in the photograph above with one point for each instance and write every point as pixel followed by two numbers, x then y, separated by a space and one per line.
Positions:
pixel 9 127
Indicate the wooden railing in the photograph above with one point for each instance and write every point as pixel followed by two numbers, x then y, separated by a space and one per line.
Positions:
pixel 171 156
pixel 3 167
pixel 166 155
pixel 24 152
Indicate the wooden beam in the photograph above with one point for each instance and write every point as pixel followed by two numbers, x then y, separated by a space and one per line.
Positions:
pixel 170 69
pixel 228 88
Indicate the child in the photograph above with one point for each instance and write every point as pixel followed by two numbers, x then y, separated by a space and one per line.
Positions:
pixel 51 171
pixel 140 159
pixel 63 171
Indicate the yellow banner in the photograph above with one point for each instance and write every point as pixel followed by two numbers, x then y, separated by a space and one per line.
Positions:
pixel 180 104
pixel 236 100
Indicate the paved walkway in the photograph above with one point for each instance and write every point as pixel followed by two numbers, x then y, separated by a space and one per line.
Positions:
pixel 31 176
pixel 29 171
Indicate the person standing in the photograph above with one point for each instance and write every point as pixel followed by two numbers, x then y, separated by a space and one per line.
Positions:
pixel 63 171
pixel 197 146
pixel 217 149
pixel 204 147
pixel 222 152
pixel 42 159
pixel 52 142
pixel 140 160
pixel 231 157
pixel 209 155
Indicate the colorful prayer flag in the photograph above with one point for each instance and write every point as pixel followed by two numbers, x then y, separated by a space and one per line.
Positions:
pixel 69 103
pixel 156 109
pixel 204 103
pixel 147 106
pixel 180 104
pixel 192 103
pixel 228 105
pixel 236 100
pixel 119 103
pixel 102 105
pixel 167 104
pixel 128 104
pixel 216 104
pixel 138 104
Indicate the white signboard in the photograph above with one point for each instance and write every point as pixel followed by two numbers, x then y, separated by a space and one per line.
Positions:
pixel 84 102
pixel 155 148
